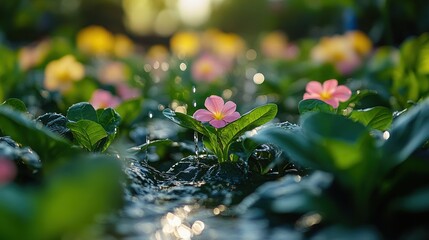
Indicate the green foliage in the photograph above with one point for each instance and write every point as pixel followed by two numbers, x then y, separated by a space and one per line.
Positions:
pixel 8 72
pixel 220 140
pixel 93 130
pixel 145 146
pixel 27 132
pixel 87 133
pixel 411 76
pixel 129 110
pixel 67 201
pixel 379 118
pixel 314 105
pixel 362 165
pixel 15 104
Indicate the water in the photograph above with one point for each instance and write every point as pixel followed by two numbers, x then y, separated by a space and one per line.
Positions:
pixel 150 115
pixel 196 144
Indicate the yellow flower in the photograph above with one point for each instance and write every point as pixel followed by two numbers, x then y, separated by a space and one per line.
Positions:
pixel 62 73
pixel 360 42
pixel 95 40
pixel 123 46
pixel 228 45
pixel 274 44
pixel 157 52
pixel 185 44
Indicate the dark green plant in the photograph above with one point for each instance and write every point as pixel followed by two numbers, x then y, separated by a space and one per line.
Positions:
pixel 372 174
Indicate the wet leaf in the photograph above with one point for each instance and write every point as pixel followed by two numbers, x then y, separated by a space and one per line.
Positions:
pixel 87 133
pixel 250 120
pixel 379 118
pixel 27 132
pixel 109 119
pixel 408 132
pixel 80 111
pixel 16 104
pixel 314 105
pixel 143 147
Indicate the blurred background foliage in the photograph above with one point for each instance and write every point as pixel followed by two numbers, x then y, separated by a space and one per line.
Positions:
pixel 385 21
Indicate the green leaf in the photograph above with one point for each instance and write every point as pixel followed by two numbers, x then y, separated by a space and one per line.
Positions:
pixel 314 105
pixel 87 133
pixel 109 119
pixel 81 111
pixel 129 110
pixel 187 122
pixel 48 145
pixel 250 120
pixel 293 142
pixel 16 104
pixel 408 132
pixel 75 194
pixel 319 126
pixel 143 147
pixel 379 118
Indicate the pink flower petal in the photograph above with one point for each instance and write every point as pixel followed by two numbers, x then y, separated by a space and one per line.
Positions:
pixel 218 123
pixel 333 102
pixel 232 117
pixel 330 85
pixel 342 93
pixel 311 96
pixel 229 108
pixel 214 104
pixel 203 115
pixel 314 87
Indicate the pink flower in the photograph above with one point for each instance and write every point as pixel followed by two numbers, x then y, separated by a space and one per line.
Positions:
pixel 126 92
pixel 219 113
pixel 329 92
pixel 7 170
pixel 103 99
pixel 207 68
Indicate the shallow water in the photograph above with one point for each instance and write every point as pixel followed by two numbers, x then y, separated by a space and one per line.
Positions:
pixel 192 200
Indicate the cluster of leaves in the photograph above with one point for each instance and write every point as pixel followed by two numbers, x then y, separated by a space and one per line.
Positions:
pixel 219 140
pixel 60 188
pixel 368 179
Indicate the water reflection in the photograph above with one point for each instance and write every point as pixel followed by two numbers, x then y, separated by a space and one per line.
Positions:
pixel 179 224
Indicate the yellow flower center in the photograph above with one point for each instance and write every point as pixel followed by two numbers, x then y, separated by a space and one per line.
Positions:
pixel 325 95
pixel 218 115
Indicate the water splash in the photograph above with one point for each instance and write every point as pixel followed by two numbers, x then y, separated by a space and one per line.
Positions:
pixel 150 115
pixel 197 149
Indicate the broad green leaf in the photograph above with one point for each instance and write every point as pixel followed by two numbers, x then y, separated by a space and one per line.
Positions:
pixel 109 119
pixel 379 118
pixel 250 120
pixel 293 142
pixel 186 121
pixel 74 194
pixel 81 111
pixel 16 104
pixel 314 105
pixel 408 132
pixel 129 110
pixel 143 147
pixel 16 211
pixel 320 125
pixel 48 145
pixel 87 133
